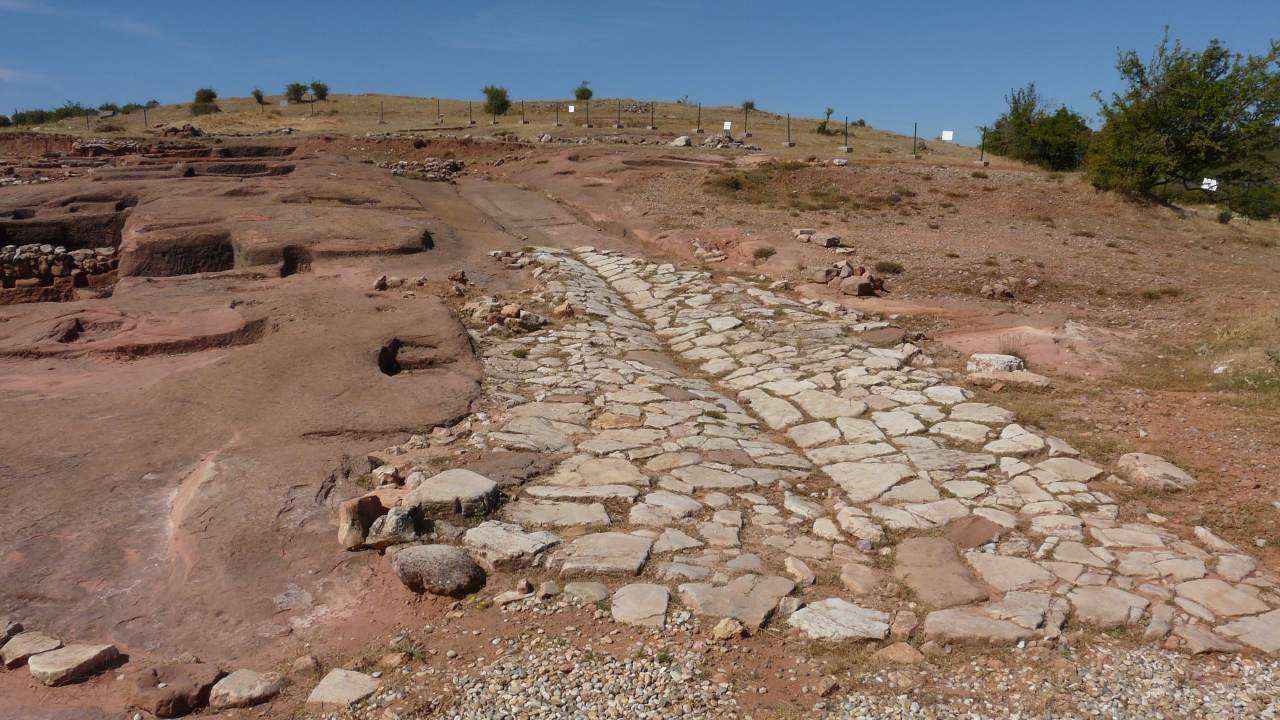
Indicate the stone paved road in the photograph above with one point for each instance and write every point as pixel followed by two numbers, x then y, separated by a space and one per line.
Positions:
pixel 728 446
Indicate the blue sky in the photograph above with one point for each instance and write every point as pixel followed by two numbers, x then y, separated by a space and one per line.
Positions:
pixel 946 65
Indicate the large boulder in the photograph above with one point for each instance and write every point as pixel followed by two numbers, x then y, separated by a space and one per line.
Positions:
pixel 397 527
pixel 71 663
pixel 1153 471
pixel 170 691
pixel 455 491
pixel 437 569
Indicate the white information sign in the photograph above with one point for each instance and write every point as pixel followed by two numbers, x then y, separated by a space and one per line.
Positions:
pixel 947 135
pixel 1209 184
pixel 728 125
pixel 570 108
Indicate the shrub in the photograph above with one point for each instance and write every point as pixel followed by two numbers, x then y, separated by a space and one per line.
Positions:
pixel 1255 201
pixel 1028 131
pixel 5 121
pixel 319 90
pixel 979 174
pixel 258 97
pixel 823 127
pixel 748 105
pixel 108 107
pixel 889 267
pixel 496 101
pixel 583 92
pixel 764 253
pixel 204 102
pixel 1162 293
pixel 520 353
pixel 1185 115
pixel 294 92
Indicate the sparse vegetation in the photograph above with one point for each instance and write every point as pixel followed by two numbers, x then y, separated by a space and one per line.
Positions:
pixel 319 91
pixel 260 98
pixel 204 104
pixel 824 126
pixel 980 174
pixel 889 267
pixel 520 353
pixel 764 252
pixel 295 92
pixel 496 101
pixel 1161 293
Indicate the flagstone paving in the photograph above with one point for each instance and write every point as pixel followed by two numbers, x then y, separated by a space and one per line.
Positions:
pixel 779 459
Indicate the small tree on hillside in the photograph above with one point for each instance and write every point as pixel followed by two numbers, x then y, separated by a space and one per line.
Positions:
pixel 5 121
pixel 319 90
pixel 496 101
pixel 823 127
pixel 295 92
pixel 583 91
pixel 748 105
pixel 204 104
pixel 259 98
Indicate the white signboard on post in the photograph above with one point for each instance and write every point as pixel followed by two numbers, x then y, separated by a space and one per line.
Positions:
pixel 948 135
pixel 1209 184
pixel 570 108
pixel 728 125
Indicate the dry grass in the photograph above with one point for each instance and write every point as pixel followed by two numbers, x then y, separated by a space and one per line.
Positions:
pixel 358 114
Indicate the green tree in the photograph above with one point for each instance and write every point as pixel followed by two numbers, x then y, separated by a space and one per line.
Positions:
pixel 319 90
pixel 204 104
pixel 294 92
pixel 496 101
pixel 4 121
pixel 259 98
pixel 1186 115
pixel 583 91
pixel 1028 131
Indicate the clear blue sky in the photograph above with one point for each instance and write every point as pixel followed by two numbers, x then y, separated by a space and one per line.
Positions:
pixel 946 65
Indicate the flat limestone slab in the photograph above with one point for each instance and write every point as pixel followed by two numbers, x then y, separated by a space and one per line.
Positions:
pixel 866 481
pixel 606 553
pixel 71 663
pixel 341 689
pixel 642 604
pixel 836 619
pixel 556 514
pixel 750 599
pixel 972 626
pixel 24 645
pixel 1153 471
pixel 1106 607
pixel 243 688
pixel 1221 598
pixel 504 546
pixel 1260 631
pixel 931 567
pixel 581 492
